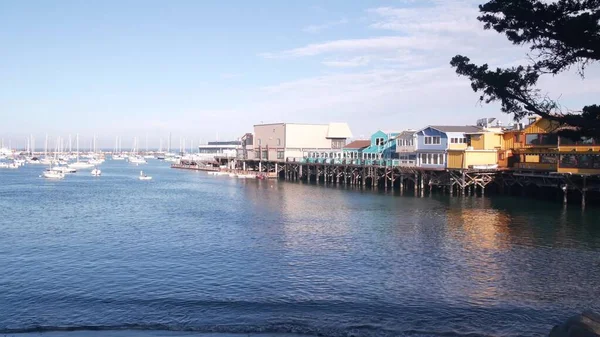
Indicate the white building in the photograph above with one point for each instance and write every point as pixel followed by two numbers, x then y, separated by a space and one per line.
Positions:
pixel 281 141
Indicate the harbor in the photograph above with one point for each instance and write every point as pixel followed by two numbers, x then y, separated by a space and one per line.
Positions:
pixel 523 159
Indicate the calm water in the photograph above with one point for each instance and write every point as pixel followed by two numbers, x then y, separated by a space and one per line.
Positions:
pixel 192 252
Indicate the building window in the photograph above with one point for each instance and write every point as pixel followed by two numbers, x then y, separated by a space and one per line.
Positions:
pixel 427 140
pixel 517 138
pixel 338 143
pixel 257 154
pixel 278 141
pixel 280 154
pixel 265 155
pixel 541 139
pixel 379 141
pixel 436 140
pixel 259 141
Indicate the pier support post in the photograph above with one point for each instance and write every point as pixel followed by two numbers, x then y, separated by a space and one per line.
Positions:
pixel 401 183
pixel 363 177
pixel 462 184
pixel 583 192
pixel 260 166
pixel 416 184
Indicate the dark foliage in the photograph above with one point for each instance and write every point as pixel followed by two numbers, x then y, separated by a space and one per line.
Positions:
pixel 560 35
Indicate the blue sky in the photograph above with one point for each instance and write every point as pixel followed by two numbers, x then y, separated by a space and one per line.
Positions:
pixel 198 68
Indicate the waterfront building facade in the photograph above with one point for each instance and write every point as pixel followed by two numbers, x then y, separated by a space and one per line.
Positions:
pixel 433 143
pixel 382 147
pixel 279 142
pixel 406 147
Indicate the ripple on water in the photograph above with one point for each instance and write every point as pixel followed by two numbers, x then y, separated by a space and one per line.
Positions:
pixel 191 253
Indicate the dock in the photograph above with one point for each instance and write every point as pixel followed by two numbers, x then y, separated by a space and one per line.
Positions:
pixel 421 181
pixel 194 167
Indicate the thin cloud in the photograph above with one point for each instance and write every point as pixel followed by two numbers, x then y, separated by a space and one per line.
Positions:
pixel 313 29
pixel 348 63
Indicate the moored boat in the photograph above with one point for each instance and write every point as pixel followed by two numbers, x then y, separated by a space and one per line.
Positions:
pixel 50 174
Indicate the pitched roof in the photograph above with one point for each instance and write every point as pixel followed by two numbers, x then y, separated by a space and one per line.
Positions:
pixel 339 130
pixel 358 144
pixel 406 133
pixel 456 128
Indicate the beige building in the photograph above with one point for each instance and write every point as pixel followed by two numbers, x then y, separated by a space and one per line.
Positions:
pixel 281 141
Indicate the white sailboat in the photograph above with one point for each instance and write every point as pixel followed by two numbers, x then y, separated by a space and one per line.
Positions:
pixel 117 153
pixel 80 164
pixel 134 158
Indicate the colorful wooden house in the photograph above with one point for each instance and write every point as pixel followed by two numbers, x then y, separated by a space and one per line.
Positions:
pixel 382 147
pixel 482 150
pixel 434 142
pixel 537 147
pixel 406 147
pixel 531 147
pixel 354 150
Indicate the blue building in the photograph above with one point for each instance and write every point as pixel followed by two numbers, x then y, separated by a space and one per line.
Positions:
pixel 433 142
pixel 383 147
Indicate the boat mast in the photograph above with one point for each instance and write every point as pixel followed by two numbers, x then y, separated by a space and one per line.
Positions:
pixel 77 148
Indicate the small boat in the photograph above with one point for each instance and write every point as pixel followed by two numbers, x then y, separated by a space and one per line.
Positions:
pixel 137 160
pixel 233 175
pixel 118 157
pixel 12 165
pixel 144 176
pixel 96 172
pixel 96 161
pixel 149 156
pixel 50 174
pixel 246 176
pixel 63 169
pixel 80 165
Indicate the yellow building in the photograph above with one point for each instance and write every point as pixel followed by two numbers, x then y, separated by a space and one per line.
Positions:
pixel 537 147
pixel 533 147
pixel 481 152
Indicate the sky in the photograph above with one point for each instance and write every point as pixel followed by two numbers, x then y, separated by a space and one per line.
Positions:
pixel 211 69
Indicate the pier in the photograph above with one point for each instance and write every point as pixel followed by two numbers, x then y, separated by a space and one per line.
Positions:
pixel 384 175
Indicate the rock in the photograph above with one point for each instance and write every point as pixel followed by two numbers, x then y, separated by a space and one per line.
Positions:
pixel 584 325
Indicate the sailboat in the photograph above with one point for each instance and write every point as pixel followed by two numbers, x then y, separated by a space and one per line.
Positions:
pixel 80 164
pixel 134 158
pixel 117 153
pixel 144 176
pixel 147 154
